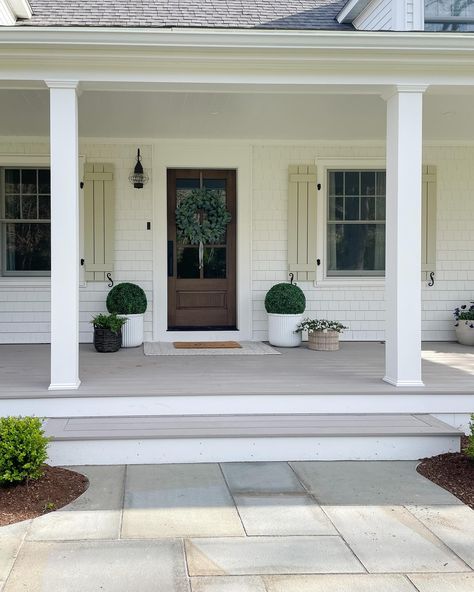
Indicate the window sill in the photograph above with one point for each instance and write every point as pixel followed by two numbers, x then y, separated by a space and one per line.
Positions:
pixel 332 284
pixel 28 282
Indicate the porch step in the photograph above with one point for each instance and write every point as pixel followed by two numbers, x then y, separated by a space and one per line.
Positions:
pixel 228 438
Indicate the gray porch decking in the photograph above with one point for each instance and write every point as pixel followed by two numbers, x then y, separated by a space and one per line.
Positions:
pixel 357 368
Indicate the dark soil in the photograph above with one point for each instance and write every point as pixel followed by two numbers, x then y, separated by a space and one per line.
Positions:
pixel 56 488
pixel 453 471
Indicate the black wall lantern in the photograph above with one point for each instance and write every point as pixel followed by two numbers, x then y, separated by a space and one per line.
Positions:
pixel 139 177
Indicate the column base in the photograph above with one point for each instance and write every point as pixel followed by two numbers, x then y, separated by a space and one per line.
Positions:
pixel 64 386
pixel 405 383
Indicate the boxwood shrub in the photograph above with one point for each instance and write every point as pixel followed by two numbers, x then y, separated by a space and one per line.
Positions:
pixel 285 299
pixel 23 449
pixel 126 299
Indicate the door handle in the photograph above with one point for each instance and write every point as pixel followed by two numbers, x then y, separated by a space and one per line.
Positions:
pixel 170 258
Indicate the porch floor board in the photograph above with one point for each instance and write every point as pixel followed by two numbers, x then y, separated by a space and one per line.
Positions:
pixel 357 368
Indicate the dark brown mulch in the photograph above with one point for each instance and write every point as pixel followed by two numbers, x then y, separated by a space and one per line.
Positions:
pixel 56 488
pixel 453 471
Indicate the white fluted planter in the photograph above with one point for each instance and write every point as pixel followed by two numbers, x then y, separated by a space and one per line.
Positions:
pixel 281 329
pixel 132 331
pixel 465 333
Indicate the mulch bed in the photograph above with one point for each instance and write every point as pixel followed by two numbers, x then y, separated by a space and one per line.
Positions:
pixel 453 471
pixel 56 488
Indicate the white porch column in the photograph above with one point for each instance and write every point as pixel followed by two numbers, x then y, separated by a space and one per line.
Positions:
pixel 64 235
pixel 403 237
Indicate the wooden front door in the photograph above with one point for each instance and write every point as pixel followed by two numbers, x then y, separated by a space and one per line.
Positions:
pixel 201 291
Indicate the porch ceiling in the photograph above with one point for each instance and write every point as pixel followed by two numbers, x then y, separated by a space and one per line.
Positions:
pixel 234 115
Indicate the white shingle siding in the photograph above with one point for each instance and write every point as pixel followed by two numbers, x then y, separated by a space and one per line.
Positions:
pixel 24 311
pixel 377 16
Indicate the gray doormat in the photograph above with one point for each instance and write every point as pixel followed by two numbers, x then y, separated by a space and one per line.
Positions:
pixel 248 348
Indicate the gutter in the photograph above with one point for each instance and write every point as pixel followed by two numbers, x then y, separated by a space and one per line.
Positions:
pixel 70 37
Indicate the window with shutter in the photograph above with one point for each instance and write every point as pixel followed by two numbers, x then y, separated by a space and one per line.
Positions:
pixel 99 221
pixel 302 222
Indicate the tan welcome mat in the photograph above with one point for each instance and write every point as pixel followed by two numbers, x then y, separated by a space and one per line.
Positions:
pixel 247 348
pixel 206 345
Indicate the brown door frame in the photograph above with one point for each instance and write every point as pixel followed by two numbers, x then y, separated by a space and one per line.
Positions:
pixel 223 317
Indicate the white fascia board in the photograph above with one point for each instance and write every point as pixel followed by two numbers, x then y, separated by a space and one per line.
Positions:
pixel 21 8
pixel 351 10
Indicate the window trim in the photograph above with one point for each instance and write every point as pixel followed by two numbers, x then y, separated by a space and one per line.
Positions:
pixel 4 273
pixel 40 161
pixel 323 166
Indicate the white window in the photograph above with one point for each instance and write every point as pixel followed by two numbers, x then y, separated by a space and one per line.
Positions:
pixel 449 15
pixel 355 223
pixel 25 218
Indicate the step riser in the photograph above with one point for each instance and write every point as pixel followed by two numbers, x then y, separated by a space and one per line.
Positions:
pixel 190 450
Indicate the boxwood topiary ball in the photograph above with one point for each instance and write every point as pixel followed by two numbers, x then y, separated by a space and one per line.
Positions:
pixel 285 299
pixel 126 299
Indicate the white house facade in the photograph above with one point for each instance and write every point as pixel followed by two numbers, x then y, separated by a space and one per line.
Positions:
pixel 364 105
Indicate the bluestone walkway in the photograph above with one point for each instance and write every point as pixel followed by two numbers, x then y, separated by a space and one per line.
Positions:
pixel 247 527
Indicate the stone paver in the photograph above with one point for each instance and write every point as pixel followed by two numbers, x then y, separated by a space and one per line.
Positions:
pixel 339 583
pixel 269 555
pixel 390 539
pixel 94 515
pixel 178 501
pixel 11 538
pixel 454 525
pixel 282 515
pixel 90 566
pixel 394 483
pixel 261 477
pixel 443 583
pixel 228 584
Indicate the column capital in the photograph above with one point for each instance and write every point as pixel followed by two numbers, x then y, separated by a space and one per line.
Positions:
pixel 67 84
pixel 397 89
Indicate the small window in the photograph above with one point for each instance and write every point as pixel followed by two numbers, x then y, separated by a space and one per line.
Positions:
pixel 25 217
pixel 356 223
pixel 449 15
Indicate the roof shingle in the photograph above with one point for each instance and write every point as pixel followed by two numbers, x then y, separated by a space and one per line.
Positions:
pixel 237 14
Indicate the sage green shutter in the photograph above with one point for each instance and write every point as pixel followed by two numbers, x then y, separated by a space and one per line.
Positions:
pixel 99 221
pixel 428 222
pixel 302 201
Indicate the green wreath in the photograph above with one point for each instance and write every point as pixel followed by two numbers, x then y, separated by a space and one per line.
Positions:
pixel 196 229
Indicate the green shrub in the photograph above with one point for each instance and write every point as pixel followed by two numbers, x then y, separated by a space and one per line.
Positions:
pixel 111 322
pixel 285 299
pixel 23 449
pixel 470 445
pixel 126 299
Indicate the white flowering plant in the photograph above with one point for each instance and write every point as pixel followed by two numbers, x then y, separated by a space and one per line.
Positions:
pixel 324 325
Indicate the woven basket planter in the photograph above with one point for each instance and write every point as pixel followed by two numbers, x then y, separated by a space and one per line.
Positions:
pixel 323 340
pixel 105 341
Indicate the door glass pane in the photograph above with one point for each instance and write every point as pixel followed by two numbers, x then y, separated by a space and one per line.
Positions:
pixel 27 247
pixel 185 187
pixel 215 262
pixel 187 262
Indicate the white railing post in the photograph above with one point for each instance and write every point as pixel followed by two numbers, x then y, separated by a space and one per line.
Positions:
pixel 64 235
pixel 403 232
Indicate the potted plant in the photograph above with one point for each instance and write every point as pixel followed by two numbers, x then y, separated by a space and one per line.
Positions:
pixel 285 304
pixel 464 316
pixel 323 335
pixel 129 300
pixel 107 332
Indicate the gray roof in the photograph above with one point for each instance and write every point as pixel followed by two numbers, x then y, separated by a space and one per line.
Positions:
pixel 241 14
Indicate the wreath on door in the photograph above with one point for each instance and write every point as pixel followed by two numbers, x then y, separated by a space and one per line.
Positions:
pixel 202 217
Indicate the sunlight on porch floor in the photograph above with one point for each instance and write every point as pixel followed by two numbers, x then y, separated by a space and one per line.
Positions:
pixel 358 367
